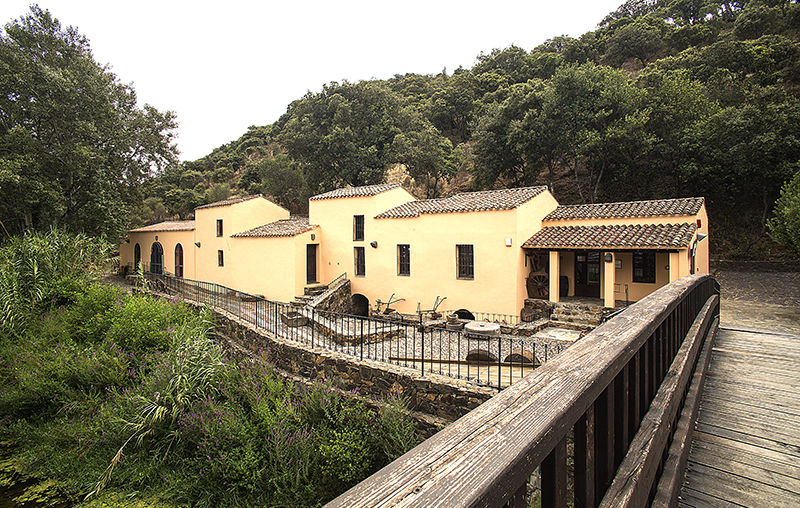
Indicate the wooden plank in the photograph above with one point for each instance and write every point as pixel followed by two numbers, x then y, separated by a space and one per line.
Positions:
pixel 697 499
pixel 748 425
pixel 736 365
pixel 585 461
pixel 758 474
pixel 674 470
pixel 774 418
pixel 637 473
pixel 750 438
pixel 778 456
pixel 749 454
pixel 485 456
pixel 721 399
pixel 727 485
pixel 554 477
pixel 732 388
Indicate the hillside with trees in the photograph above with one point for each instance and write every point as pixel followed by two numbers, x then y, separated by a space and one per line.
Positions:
pixel 665 98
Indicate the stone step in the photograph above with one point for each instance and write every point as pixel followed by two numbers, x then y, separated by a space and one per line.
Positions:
pixel 314 290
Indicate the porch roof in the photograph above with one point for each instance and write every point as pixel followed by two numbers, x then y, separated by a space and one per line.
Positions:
pixel 615 236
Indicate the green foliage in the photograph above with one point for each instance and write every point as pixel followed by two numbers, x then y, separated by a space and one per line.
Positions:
pixel 74 145
pixel 784 226
pixel 130 400
pixel 42 270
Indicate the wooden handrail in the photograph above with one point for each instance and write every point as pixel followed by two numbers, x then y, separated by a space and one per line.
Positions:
pixel 602 387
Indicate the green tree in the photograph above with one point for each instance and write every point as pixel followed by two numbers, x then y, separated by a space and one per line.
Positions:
pixel 784 226
pixel 342 135
pixel 425 152
pixel 74 146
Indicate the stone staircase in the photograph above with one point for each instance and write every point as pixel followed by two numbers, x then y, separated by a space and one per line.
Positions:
pixel 309 293
pixel 579 316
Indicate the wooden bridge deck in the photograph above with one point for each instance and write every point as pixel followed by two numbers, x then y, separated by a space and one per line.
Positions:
pixel 746 445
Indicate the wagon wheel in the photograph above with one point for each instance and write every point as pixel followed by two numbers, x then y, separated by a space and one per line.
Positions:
pixel 540 284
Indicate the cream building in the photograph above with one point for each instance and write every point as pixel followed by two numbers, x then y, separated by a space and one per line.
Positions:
pixel 483 252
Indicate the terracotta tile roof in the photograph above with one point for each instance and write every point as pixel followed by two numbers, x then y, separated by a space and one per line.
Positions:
pixel 627 236
pixel 168 225
pixel 504 199
pixel 627 209
pixel 230 201
pixel 292 226
pixel 356 192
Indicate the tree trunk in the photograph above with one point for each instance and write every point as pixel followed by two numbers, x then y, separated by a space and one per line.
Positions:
pixel 762 232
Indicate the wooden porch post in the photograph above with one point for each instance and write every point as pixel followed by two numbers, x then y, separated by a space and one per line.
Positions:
pixel 609 280
pixel 555 272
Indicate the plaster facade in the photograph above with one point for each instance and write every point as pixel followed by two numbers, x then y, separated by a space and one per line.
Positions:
pixel 277 265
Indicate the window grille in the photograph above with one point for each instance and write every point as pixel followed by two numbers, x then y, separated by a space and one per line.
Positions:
pixel 358 228
pixel 360 267
pixel 465 258
pixel 403 259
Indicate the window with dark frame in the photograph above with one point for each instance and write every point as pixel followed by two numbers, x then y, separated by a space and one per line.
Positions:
pixel 358 228
pixel 360 267
pixel 644 267
pixel 465 259
pixel 220 258
pixel 403 259
pixel 219 227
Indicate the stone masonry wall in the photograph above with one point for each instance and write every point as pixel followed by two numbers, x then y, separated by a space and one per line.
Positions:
pixel 339 300
pixel 442 397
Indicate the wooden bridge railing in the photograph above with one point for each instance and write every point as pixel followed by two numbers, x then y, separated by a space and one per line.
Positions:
pixel 617 394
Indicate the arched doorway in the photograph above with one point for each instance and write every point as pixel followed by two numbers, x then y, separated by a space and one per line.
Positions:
pixel 156 258
pixel 360 305
pixel 464 314
pixel 137 257
pixel 178 260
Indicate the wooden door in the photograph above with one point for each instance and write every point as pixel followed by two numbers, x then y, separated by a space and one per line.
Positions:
pixel 311 263
pixel 587 273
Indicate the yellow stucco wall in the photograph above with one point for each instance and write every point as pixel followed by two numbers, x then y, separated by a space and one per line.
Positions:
pixel 335 219
pixel 168 241
pixel 498 285
pixel 236 218
pixel 276 267
pixel 273 267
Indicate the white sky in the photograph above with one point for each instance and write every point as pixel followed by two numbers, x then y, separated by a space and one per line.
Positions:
pixel 225 65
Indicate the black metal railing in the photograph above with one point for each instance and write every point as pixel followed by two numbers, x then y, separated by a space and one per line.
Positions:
pixel 494 361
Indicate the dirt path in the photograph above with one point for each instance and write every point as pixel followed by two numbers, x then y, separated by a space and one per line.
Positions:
pixel 761 300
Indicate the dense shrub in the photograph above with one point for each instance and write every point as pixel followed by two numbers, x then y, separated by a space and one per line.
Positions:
pixel 129 398
pixel 39 271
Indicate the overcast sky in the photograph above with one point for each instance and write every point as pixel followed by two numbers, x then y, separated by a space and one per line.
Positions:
pixel 224 65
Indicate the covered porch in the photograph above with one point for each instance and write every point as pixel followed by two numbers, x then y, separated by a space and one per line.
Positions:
pixel 614 264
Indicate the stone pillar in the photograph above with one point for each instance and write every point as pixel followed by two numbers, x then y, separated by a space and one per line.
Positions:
pixel 674 266
pixel 555 273
pixel 609 280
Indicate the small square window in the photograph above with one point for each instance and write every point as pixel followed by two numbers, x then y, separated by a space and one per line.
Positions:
pixel 360 266
pixel 220 258
pixel 644 267
pixel 219 227
pixel 465 262
pixel 403 259
pixel 358 228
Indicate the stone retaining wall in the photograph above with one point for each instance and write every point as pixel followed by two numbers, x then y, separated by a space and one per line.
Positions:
pixel 444 398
